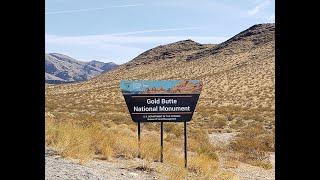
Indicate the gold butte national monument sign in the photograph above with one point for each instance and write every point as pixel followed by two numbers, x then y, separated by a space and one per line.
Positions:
pixel 161 101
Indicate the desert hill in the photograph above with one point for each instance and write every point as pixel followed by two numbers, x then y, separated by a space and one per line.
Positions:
pixel 177 50
pixel 238 82
pixel 60 68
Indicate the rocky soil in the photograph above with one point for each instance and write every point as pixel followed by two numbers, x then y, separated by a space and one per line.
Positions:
pixel 57 168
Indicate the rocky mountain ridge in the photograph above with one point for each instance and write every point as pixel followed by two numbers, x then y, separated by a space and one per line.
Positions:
pixel 60 68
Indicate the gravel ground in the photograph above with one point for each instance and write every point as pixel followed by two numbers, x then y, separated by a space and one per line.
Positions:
pixel 60 168
pixel 248 172
pixel 221 139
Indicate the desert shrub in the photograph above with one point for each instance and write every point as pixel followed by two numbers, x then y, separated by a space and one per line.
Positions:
pixel 259 118
pixel 173 172
pixel 106 151
pixel 198 134
pixel 170 137
pixel 263 164
pixel 73 141
pixel 146 166
pixel 253 130
pixel 84 120
pixel 200 143
pixel 210 153
pixel 237 124
pixel 220 123
pixel 254 145
pixel 50 132
pixel 202 165
pixel 205 167
pixel 150 149
pixel 229 117
pixel 174 128
pixel 80 141
pixel 172 155
pixel 97 136
pixel 123 141
pixel 118 117
pixel 197 139
pixel 231 163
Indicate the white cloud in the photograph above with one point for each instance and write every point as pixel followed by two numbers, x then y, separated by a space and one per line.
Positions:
pixel 271 18
pixel 91 9
pixel 125 40
pixel 127 37
pixel 259 7
pixel 155 30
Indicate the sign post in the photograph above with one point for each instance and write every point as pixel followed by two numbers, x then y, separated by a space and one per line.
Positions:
pixel 161 141
pixel 185 144
pixel 139 142
pixel 161 101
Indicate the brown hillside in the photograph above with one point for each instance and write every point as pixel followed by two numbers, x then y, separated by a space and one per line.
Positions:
pixel 177 50
pixel 238 82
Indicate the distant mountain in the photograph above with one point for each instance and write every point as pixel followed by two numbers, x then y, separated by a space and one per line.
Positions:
pixel 60 68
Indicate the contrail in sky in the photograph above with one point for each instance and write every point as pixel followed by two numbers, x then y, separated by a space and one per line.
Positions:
pixel 154 30
pixel 92 9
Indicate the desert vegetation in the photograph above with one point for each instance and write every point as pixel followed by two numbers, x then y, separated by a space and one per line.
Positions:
pixel 79 141
pixel 90 119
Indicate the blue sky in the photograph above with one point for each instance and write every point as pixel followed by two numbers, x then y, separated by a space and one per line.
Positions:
pixel 119 30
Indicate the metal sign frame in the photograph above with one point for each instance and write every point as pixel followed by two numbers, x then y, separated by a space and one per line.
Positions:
pixel 145 97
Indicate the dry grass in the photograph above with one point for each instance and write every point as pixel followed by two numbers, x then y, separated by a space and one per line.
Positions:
pixel 70 140
pixel 237 124
pixel 203 165
pixel 220 123
pixel 207 168
pixel 231 164
pixel 199 143
pixel 174 128
pixel 82 142
pixel 253 145
pixel 263 164
pixel 150 147
pixel 173 172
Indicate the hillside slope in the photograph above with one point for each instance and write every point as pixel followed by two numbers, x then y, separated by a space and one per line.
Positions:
pixel 238 77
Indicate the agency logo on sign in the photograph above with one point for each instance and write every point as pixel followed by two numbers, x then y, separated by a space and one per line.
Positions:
pixel 161 100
